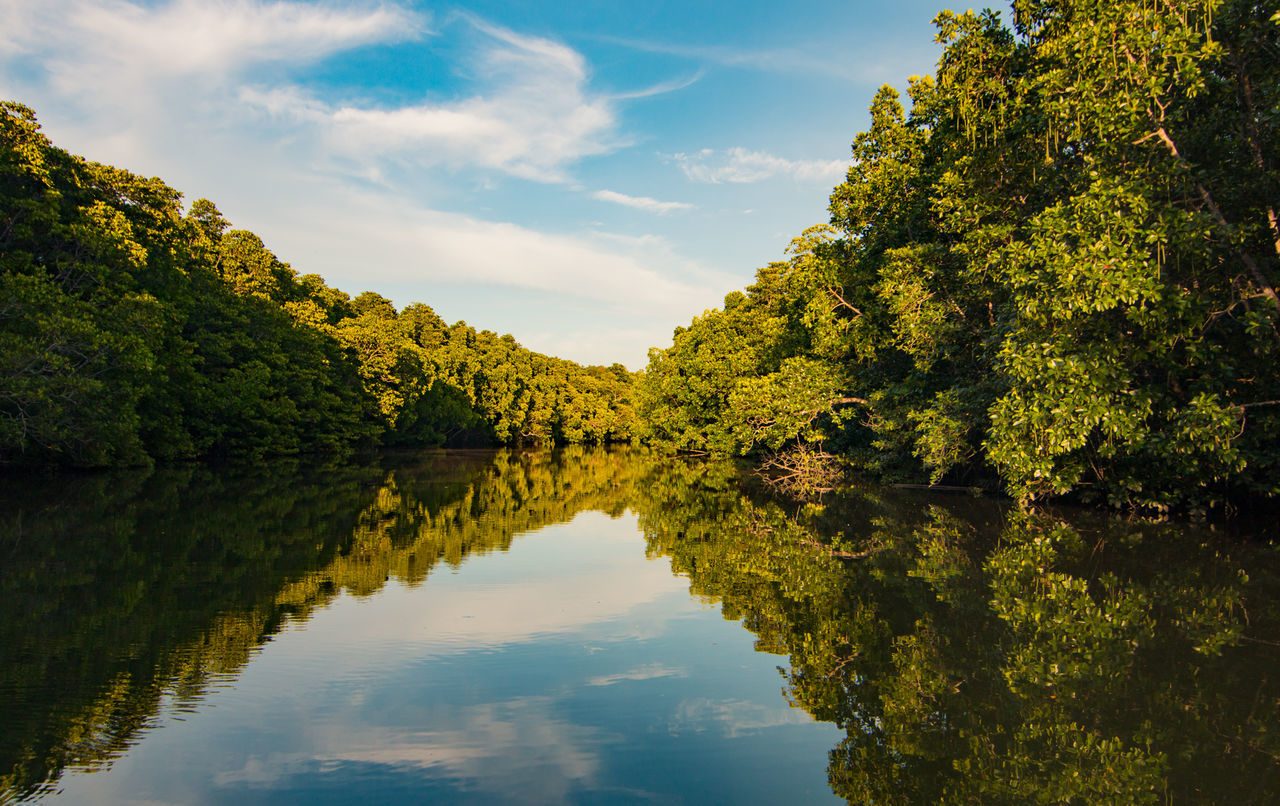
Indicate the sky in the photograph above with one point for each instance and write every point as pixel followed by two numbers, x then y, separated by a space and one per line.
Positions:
pixel 583 175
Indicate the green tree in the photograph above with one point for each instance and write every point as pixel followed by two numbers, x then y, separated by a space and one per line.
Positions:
pixel 1054 274
pixel 130 331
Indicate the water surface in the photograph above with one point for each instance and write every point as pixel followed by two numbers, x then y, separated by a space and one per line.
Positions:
pixel 616 627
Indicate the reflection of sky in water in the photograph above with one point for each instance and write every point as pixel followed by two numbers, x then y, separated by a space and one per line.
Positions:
pixel 568 669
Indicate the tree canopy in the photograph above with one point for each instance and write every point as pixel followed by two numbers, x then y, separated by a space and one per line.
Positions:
pixel 132 330
pixel 1053 274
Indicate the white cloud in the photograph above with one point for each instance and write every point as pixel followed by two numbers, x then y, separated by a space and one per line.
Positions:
pixel 519 750
pixel 640 202
pixel 741 165
pixel 663 87
pixel 206 95
pixel 628 346
pixel 594 297
pixel 15 27
pixel 111 46
pixel 593 592
pixel 535 117
pixel 414 243
pixel 531 113
pixel 882 60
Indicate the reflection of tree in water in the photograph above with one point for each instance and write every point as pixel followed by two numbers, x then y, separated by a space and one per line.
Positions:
pixel 970 655
pixel 121 589
pixel 974 656
pixel 127 592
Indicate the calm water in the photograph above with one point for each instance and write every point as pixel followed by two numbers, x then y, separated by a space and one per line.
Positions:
pixel 616 627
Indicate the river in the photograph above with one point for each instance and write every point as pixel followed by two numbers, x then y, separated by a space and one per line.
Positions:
pixel 617 626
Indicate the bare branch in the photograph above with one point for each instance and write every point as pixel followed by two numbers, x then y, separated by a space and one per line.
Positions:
pixel 841 302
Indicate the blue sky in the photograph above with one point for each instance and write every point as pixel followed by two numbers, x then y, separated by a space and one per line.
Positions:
pixel 583 175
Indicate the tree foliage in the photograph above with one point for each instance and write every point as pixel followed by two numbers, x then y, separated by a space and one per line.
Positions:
pixel 1054 274
pixel 131 330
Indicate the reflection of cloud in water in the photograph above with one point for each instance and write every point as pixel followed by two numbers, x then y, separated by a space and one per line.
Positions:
pixel 516 750
pixel 650 671
pixel 580 586
pixel 264 772
pixel 732 717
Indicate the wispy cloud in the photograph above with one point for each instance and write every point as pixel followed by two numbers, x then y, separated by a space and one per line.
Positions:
pixel 91 47
pixel 641 202
pixel 674 85
pixel 609 344
pixel 534 115
pixel 520 750
pixel 639 285
pixel 439 247
pixel 741 165
pixel 208 94
pixel 880 62
pixel 531 112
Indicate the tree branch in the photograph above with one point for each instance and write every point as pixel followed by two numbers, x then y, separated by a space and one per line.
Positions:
pixel 841 301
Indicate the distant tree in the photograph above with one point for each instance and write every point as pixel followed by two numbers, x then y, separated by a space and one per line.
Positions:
pixel 130 331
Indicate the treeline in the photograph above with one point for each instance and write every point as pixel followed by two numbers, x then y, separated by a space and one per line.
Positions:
pixel 132 330
pixel 1054 274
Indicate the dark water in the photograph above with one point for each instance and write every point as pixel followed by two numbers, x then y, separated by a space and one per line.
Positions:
pixel 616 627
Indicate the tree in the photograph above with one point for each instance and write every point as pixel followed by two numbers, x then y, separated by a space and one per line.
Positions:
pixel 130 331
pixel 1055 274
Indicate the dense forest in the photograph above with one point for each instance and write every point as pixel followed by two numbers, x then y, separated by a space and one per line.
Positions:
pixel 1052 273
pixel 133 330
pixel 1055 274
